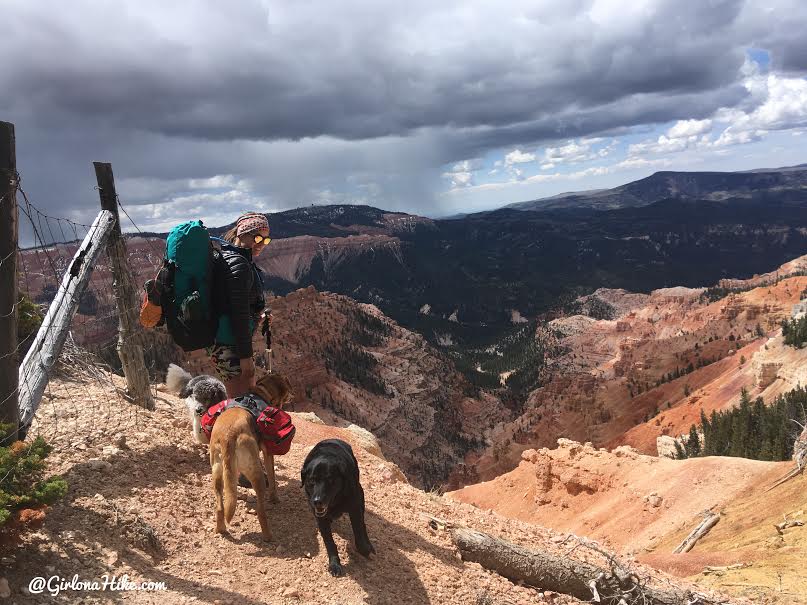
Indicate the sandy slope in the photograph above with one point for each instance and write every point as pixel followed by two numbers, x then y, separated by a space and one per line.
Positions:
pixel 644 504
pixel 745 534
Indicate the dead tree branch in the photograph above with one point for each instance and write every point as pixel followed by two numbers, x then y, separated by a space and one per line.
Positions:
pixel 709 521
pixel 781 527
pixel 579 579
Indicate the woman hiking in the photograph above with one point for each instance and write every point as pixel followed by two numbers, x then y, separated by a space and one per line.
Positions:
pixel 232 352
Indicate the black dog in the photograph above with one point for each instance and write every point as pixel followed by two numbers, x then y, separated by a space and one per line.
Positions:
pixel 331 480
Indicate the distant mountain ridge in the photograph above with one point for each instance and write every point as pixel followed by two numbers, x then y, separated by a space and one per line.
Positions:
pixel 712 186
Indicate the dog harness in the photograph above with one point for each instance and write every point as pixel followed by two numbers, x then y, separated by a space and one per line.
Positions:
pixel 273 426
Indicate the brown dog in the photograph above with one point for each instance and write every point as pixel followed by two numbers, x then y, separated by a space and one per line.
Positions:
pixel 234 449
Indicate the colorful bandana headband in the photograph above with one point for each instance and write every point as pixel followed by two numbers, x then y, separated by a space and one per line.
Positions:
pixel 252 221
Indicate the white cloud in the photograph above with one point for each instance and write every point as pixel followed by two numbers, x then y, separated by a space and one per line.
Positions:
pixel 777 103
pixel 460 178
pixel 632 163
pixel 732 136
pixel 683 135
pixel 213 182
pixel 468 165
pixel 662 145
pixel 518 157
pixel 785 105
pixel 688 128
pixel 575 152
pixel 461 174
pixel 593 171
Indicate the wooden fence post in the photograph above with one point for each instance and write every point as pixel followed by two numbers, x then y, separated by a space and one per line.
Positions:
pixel 130 337
pixel 39 362
pixel 9 234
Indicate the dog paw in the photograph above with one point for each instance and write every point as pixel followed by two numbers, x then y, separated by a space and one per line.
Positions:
pixel 335 567
pixel 274 498
pixel 365 549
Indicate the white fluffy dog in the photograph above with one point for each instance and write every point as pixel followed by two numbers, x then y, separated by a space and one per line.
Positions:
pixel 200 392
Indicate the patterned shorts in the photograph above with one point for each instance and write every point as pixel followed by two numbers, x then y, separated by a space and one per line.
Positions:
pixel 227 362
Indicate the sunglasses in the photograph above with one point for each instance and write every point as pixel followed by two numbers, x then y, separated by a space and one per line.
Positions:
pixel 258 239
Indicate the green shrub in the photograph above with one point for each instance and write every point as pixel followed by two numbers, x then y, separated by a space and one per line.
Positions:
pixel 21 467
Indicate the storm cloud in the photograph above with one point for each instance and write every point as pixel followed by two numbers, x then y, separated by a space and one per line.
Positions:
pixel 302 102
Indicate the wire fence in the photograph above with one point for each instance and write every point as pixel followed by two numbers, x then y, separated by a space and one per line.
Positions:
pixel 86 381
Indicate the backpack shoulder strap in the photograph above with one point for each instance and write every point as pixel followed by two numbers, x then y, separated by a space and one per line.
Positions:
pixel 252 403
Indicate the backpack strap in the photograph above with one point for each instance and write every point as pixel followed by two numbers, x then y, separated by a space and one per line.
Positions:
pixel 251 403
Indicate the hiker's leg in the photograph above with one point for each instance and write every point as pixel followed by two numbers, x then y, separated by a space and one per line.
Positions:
pixel 228 370
pixel 237 386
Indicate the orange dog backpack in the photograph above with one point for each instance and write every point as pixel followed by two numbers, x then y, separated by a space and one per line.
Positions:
pixel 275 428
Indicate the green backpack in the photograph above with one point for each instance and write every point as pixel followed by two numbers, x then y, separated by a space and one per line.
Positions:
pixel 191 286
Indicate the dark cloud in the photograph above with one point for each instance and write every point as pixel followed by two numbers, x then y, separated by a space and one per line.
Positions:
pixel 379 94
pixel 338 72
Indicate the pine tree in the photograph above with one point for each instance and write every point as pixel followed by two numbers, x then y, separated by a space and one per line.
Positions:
pixel 693 443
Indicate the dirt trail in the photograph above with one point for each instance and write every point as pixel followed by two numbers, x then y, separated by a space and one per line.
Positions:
pixel 146 510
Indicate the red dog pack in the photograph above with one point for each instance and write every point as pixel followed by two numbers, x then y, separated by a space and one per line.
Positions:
pixel 275 428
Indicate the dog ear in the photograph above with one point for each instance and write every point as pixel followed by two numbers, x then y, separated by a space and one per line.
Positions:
pixel 276 387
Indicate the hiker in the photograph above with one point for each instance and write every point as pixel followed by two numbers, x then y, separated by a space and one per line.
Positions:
pixel 232 352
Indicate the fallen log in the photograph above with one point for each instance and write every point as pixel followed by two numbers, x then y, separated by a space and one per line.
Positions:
pixel 579 579
pixel 712 569
pixel 799 457
pixel 781 527
pixel 709 521
pixel 795 471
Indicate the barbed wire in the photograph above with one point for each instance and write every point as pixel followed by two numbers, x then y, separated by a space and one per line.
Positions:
pixel 157 252
pixel 92 332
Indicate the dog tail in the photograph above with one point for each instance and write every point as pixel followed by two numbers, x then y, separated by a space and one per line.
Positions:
pixel 230 480
pixel 176 379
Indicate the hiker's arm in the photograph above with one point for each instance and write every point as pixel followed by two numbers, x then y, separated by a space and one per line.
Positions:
pixel 239 283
